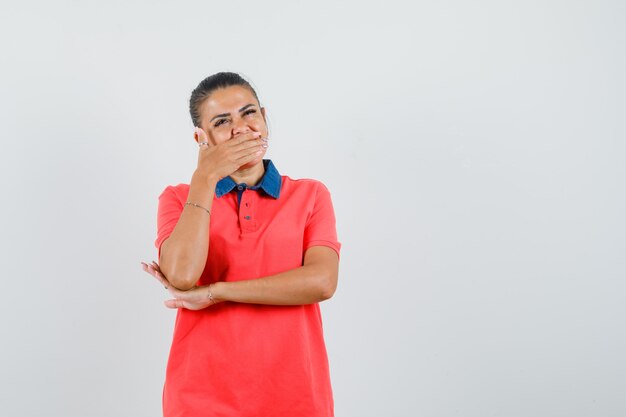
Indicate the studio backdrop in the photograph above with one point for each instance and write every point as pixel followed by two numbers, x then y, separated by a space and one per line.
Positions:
pixel 474 152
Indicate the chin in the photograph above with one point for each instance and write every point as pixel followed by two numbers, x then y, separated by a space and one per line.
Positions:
pixel 253 162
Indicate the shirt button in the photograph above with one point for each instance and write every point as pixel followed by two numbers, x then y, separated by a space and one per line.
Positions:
pixel 247 217
pixel 239 187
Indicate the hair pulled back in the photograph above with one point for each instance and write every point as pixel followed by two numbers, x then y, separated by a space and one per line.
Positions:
pixel 209 85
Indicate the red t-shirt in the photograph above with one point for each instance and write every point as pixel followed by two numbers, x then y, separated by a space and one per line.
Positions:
pixel 240 359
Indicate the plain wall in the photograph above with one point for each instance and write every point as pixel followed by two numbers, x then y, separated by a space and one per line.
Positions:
pixel 474 152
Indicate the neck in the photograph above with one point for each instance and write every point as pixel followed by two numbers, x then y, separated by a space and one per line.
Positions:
pixel 251 176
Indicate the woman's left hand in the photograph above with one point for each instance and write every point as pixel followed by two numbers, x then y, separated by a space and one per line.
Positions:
pixel 195 298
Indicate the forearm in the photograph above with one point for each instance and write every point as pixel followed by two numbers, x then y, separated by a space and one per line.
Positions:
pixel 303 285
pixel 184 252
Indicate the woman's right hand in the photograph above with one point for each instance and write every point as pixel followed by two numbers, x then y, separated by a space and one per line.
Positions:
pixel 221 160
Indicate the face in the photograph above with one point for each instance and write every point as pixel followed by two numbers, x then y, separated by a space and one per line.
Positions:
pixel 229 112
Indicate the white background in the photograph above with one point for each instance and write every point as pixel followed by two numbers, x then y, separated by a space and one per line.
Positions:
pixel 474 152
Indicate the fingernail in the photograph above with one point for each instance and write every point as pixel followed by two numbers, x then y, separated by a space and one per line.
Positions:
pixel 264 139
pixel 265 145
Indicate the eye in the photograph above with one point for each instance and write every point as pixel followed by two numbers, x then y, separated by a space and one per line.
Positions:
pixel 245 113
pixel 219 122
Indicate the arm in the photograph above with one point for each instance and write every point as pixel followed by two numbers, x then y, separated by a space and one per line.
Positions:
pixel 183 254
pixel 314 281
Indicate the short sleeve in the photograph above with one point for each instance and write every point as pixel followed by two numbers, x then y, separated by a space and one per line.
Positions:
pixel 320 229
pixel 168 213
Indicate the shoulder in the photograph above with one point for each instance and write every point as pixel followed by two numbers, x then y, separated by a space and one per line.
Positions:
pixel 305 192
pixel 304 184
pixel 178 191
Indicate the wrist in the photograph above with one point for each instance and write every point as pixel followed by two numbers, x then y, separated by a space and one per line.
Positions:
pixel 217 290
pixel 201 191
pixel 204 178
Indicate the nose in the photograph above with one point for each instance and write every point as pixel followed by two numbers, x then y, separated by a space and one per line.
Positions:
pixel 240 126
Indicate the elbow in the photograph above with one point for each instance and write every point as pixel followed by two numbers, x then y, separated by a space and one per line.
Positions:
pixel 326 295
pixel 182 283
pixel 182 280
pixel 328 286
pixel 180 269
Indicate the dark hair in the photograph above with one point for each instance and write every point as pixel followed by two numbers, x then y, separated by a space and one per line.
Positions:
pixel 209 85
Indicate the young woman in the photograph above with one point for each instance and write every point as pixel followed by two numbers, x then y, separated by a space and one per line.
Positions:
pixel 247 254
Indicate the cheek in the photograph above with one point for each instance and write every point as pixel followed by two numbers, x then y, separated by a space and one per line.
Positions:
pixel 259 125
pixel 216 136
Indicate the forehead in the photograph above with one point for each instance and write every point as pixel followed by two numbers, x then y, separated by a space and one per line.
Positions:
pixel 227 100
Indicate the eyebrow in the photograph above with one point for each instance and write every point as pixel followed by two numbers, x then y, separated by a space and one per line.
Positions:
pixel 228 114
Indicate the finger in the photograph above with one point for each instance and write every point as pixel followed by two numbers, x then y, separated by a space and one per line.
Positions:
pixel 256 148
pixel 173 303
pixel 243 138
pixel 202 136
pixel 157 268
pixel 249 156
pixel 150 269
pixel 248 145
pixel 163 281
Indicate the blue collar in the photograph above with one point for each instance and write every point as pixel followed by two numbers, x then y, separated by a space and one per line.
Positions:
pixel 270 183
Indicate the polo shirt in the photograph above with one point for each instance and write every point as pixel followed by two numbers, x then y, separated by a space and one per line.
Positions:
pixel 242 359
